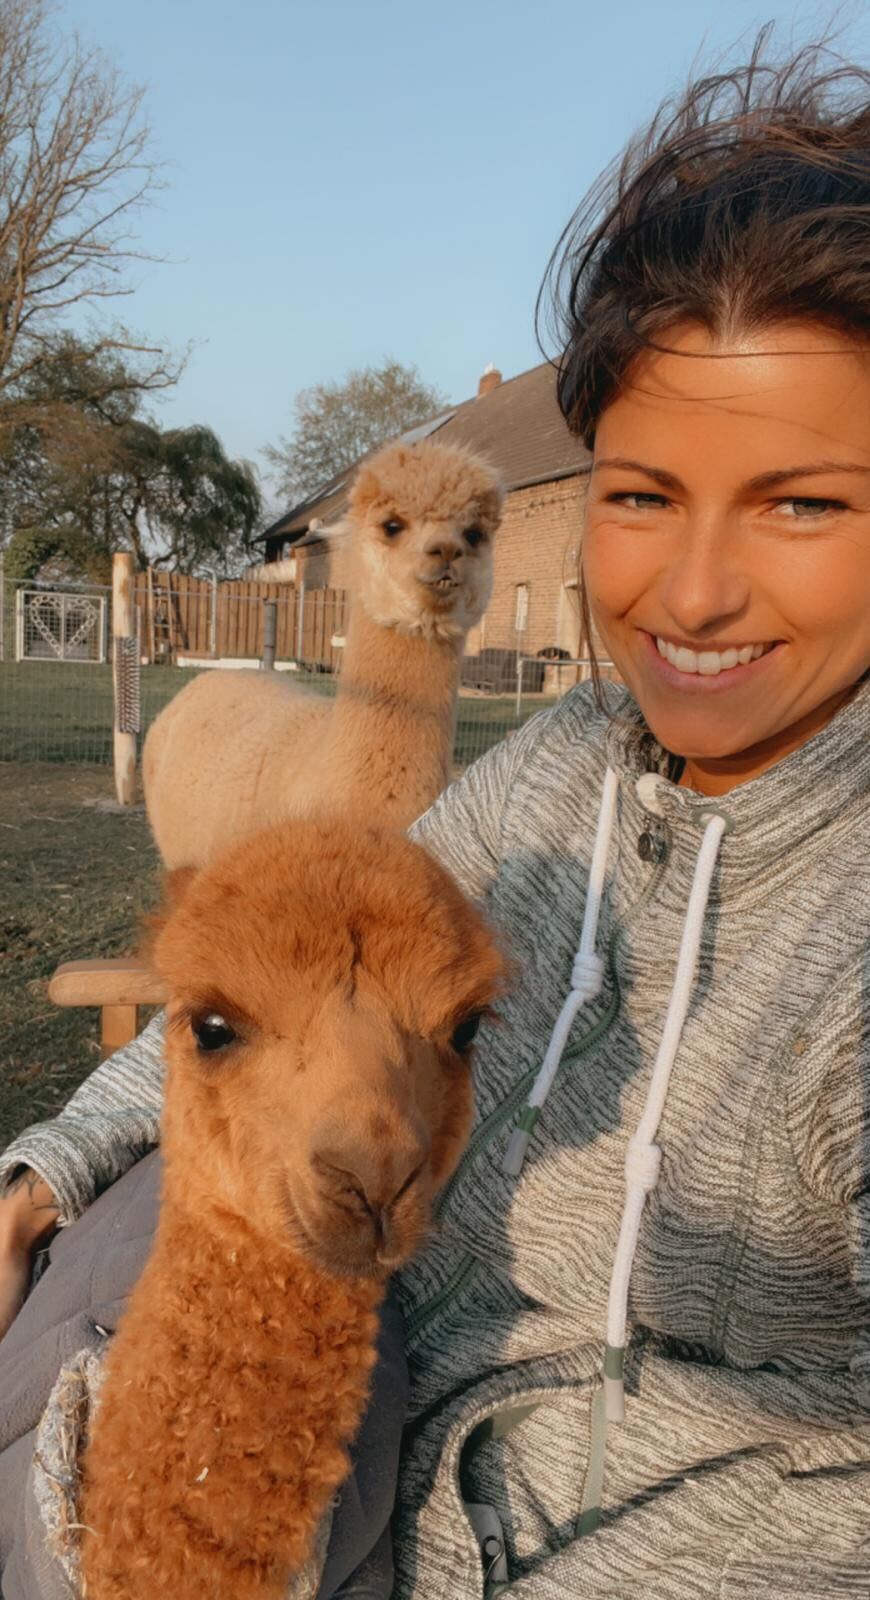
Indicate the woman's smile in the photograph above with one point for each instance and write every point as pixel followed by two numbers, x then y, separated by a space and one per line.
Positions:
pixel 703 669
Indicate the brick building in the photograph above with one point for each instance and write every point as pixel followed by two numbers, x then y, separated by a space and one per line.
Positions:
pixel 517 425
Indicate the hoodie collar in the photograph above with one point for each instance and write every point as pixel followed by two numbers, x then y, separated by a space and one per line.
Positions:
pixel 773 814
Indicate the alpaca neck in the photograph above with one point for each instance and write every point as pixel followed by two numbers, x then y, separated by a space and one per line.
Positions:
pixel 287 1315
pixel 392 726
pixel 232 1256
pixel 237 1364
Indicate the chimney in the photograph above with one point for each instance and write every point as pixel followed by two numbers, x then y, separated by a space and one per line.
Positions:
pixel 489 381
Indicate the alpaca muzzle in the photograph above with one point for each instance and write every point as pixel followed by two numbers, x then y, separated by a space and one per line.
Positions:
pixel 365 1209
pixel 443 580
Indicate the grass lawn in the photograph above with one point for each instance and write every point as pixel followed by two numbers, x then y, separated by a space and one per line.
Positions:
pixel 76 877
pixel 55 711
pixel 75 882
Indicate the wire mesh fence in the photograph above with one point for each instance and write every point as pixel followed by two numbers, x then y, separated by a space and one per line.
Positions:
pixel 56 673
pixel 55 678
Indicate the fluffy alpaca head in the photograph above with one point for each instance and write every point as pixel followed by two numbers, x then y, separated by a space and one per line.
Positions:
pixel 422 518
pixel 325 982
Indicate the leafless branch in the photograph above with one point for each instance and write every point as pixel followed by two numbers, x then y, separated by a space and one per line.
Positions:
pixel 75 168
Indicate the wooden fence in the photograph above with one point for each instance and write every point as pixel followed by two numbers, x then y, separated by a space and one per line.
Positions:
pixel 182 616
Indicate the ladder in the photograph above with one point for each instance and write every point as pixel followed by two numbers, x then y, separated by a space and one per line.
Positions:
pixel 162 604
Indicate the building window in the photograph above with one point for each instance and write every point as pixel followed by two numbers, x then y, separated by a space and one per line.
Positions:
pixel 521 614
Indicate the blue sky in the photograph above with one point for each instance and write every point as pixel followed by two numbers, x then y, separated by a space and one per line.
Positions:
pixel 349 179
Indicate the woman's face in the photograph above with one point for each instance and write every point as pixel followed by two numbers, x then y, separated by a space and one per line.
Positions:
pixel 727 546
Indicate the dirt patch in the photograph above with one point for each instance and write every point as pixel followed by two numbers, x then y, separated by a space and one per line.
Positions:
pixel 77 872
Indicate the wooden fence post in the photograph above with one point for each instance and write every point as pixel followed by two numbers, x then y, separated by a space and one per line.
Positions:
pixel 300 619
pixel 126 676
pixel 270 634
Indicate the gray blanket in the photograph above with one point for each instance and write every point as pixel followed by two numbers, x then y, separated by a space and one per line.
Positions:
pixel 49 1365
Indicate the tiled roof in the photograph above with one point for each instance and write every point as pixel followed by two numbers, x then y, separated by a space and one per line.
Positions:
pixel 517 425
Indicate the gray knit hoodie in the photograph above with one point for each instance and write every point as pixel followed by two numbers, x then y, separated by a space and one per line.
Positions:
pixel 743 1466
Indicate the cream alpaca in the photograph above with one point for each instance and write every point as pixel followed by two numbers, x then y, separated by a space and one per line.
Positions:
pixel 325 982
pixel 234 752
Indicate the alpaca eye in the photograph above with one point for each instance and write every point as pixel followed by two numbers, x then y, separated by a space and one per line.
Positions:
pixel 212 1032
pixel 392 526
pixel 473 536
pixel 464 1035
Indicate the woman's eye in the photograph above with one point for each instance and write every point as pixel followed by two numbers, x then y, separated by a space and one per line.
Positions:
pixel 637 501
pixel 804 506
pixel 465 1033
pixel 392 526
pixel 212 1032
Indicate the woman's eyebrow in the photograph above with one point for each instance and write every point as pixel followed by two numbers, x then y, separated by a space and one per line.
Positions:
pixel 668 480
pixel 763 480
pixel 809 469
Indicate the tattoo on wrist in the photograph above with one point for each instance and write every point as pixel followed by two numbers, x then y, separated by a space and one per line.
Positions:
pixel 31 1181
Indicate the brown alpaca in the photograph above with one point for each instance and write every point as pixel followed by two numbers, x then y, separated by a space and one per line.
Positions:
pixel 236 751
pixel 324 984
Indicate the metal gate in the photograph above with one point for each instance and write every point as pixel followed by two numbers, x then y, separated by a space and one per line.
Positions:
pixel 53 626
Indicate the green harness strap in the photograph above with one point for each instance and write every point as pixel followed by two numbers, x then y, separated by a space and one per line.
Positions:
pixel 508 1418
pixel 590 1505
pixel 495 1427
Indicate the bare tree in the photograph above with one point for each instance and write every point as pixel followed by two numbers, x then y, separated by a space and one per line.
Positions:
pixel 336 423
pixel 74 169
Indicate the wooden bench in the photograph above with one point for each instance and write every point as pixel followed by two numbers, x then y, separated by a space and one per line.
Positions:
pixel 117 987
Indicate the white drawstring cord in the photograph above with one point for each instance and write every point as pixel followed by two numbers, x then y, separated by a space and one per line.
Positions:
pixel 587 978
pixel 643 1157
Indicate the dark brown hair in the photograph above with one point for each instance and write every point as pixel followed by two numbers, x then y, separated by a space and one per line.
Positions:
pixel 746 201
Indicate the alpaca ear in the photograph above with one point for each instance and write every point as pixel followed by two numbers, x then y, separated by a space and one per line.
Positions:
pixel 491 506
pixel 365 490
pixel 335 530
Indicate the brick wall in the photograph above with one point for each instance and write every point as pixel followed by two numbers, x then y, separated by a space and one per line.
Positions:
pixel 537 545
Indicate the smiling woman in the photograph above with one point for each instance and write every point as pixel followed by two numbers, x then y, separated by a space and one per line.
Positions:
pixel 716 328
pixel 727 546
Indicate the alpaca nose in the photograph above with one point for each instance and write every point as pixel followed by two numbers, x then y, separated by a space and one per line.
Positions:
pixel 376 1182
pixel 445 547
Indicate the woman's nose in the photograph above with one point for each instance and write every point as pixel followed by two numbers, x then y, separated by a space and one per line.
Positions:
pixel 705 583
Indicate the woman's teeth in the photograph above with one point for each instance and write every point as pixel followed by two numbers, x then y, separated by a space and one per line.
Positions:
pixel 708 662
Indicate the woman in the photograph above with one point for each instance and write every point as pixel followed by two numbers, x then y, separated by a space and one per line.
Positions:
pixel 639 1347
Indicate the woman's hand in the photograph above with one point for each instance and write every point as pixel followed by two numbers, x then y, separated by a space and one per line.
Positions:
pixel 28 1218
